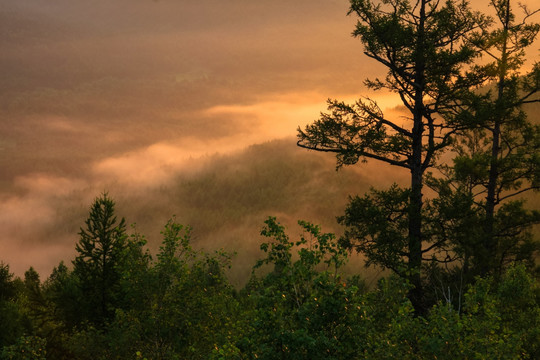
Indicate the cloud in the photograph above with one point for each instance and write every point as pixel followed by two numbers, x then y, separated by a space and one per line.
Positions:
pixel 33 228
pixel 276 117
pixel 148 167
pixel 218 183
pixel 153 165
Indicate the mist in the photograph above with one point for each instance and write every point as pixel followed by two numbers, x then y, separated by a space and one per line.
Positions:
pixel 146 100
pixel 185 108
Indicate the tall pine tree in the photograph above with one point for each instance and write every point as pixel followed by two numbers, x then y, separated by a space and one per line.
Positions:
pixel 421 43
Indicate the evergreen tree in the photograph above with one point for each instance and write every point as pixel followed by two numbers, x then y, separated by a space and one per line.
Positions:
pixel 422 45
pixel 497 158
pixel 100 252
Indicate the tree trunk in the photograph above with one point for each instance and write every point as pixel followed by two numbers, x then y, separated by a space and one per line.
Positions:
pixel 415 239
pixel 415 206
pixel 489 241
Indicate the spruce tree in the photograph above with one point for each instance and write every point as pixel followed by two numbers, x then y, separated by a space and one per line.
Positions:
pixel 100 252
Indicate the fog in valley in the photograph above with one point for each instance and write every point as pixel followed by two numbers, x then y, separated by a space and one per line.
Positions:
pixel 175 108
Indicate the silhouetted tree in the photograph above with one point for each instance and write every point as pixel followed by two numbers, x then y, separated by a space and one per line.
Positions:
pixel 497 157
pixel 100 251
pixel 422 45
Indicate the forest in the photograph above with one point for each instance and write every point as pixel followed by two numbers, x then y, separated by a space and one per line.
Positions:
pixel 457 241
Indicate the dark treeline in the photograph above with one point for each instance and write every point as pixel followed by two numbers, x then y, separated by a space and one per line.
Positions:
pixel 462 262
pixel 118 301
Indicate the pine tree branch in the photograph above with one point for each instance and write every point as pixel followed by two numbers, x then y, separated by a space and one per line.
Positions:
pixel 402 163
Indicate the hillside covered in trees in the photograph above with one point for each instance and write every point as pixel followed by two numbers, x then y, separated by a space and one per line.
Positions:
pixel 454 236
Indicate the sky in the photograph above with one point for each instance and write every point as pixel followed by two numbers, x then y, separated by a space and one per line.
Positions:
pixel 153 101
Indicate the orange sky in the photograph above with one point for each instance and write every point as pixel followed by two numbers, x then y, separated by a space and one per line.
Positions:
pixel 121 94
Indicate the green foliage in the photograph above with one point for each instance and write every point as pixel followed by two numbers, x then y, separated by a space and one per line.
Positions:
pixel 26 348
pixel 11 317
pixel 518 297
pixel 7 286
pixel 302 312
pixel 178 307
pixel 377 225
pixel 63 290
pixel 389 328
pixel 499 321
pixel 302 305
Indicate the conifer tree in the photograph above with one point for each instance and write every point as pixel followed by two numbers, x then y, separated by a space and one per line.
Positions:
pixel 100 252
pixel 421 43
pixel 497 157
